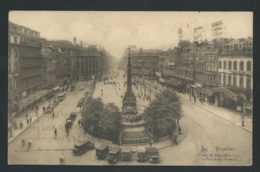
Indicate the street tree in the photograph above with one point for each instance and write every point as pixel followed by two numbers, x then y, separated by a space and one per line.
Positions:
pixel 163 112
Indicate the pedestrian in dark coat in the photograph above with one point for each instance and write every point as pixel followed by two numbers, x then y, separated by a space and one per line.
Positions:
pixel 30 119
pixel 55 132
pixel 21 125
pixel 179 130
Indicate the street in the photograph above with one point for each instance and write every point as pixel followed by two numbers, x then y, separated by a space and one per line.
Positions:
pixel 208 138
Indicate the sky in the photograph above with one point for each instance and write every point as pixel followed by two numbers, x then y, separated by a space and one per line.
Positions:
pixel 115 31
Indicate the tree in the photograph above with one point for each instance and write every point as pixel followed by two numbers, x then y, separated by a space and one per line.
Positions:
pixel 110 122
pixel 91 113
pixel 164 108
pixel 101 120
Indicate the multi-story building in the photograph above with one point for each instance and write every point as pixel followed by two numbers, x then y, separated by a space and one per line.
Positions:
pixel 219 72
pixel 235 75
pixel 145 63
pixel 185 67
pixel 89 64
pixel 24 64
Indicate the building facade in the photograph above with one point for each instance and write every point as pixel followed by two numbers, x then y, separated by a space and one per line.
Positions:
pixel 217 72
pixel 89 64
pixel 24 64
pixel 235 73
pixel 145 63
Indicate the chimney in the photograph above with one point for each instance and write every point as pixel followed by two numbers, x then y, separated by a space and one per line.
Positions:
pixel 81 44
pixel 75 41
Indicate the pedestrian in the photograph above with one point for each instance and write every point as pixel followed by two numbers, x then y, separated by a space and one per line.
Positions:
pixel 62 158
pixel 55 132
pixel 30 120
pixel 29 143
pixel 79 122
pixel 21 125
pixel 179 130
pixel 26 115
pixel 53 115
pixel 67 130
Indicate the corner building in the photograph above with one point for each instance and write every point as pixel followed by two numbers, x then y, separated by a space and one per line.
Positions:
pixel 24 64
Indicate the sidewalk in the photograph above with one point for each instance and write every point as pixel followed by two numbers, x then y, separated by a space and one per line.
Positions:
pixel 22 118
pixel 226 114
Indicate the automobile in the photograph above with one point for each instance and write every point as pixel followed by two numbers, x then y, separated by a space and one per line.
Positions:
pixel 142 154
pixel 81 88
pixel 127 154
pixel 153 154
pixel 79 150
pixel 73 116
pixel 61 96
pixel 79 104
pixel 68 123
pixel 55 103
pixel 50 96
pixel 72 87
pixel 114 155
pixel 50 109
pixel 102 151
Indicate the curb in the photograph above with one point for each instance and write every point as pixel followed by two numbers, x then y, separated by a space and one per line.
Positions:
pixel 216 115
pixel 179 140
pixel 25 128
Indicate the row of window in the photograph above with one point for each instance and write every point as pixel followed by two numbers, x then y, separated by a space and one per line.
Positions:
pixel 203 78
pixel 211 68
pixel 21 29
pixel 28 82
pixel 228 65
pixel 147 59
pixel 24 40
pixel 24 52
pixel 234 84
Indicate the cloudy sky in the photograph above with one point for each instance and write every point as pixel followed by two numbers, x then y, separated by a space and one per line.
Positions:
pixel 117 30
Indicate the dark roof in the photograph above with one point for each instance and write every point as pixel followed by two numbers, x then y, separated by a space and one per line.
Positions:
pixel 102 147
pixel 61 43
pixel 114 150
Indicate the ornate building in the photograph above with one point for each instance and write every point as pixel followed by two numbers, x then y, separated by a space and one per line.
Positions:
pixel 24 64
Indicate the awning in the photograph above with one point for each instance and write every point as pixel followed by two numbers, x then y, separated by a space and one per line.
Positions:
pixel 198 85
pixel 56 88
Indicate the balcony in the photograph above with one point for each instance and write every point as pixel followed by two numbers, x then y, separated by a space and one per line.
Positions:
pixel 29 74
pixel 28 44
pixel 29 64
pixel 29 86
